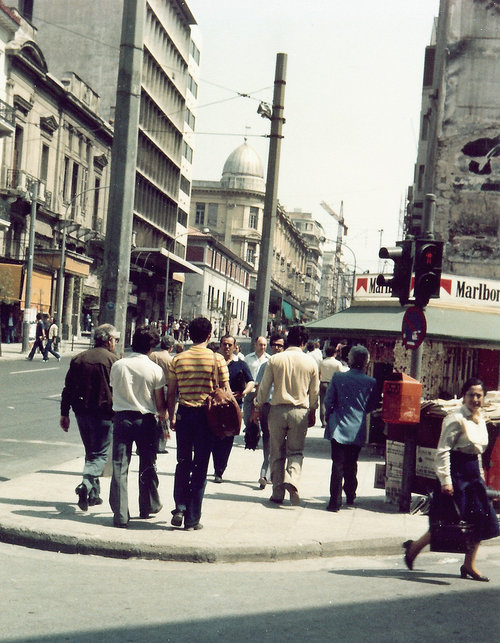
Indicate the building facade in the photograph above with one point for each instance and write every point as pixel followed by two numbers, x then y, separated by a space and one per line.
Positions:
pixel 75 35
pixel 232 209
pixel 314 235
pixel 459 144
pixel 59 147
pixel 221 292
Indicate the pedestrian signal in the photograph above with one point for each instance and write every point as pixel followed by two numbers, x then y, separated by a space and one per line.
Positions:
pixel 402 255
pixel 428 263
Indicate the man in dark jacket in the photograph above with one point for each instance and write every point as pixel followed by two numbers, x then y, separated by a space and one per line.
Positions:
pixel 88 393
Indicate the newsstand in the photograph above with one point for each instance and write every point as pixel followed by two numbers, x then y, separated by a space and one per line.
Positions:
pixel 427 433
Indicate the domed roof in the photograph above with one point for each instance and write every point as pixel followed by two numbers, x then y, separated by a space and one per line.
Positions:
pixel 243 169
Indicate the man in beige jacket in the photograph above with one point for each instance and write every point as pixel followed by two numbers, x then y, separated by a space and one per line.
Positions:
pixel 293 409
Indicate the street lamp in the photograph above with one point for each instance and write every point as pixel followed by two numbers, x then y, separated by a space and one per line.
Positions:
pixel 62 261
pixel 29 268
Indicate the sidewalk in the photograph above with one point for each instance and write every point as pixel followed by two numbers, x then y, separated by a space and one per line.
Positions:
pixel 240 524
pixel 13 352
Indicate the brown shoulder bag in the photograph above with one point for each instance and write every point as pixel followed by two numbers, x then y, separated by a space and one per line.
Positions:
pixel 222 410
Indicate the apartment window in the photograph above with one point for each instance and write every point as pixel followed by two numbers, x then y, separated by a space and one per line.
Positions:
pixel 420 180
pixel 430 55
pixel 193 86
pixel 185 185
pixel 212 215
pixel 199 217
pixel 189 118
pixel 251 250
pixel 182 217
pixel 425 126
pixel 187 152
pixel 66 178
pixel 253 219
pixel 195 52
pixel 97 185
pixel 44 163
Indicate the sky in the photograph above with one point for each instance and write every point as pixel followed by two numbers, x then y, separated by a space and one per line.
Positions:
pixel 352 103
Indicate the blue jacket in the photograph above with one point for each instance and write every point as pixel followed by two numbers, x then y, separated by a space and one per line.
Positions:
pixel 349 397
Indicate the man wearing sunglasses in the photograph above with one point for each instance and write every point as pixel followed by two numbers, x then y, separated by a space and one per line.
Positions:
pixel 87 391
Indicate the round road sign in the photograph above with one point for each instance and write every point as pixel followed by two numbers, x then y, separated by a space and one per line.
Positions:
pixel 414 327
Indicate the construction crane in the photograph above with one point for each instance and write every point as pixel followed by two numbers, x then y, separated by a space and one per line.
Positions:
pixel 341 231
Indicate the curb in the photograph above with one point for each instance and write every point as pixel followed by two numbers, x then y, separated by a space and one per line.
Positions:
pixel 197 554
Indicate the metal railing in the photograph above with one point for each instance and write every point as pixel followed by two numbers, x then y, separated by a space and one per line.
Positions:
pixel 7 113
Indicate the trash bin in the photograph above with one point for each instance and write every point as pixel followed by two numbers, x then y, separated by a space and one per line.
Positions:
pixel 401 401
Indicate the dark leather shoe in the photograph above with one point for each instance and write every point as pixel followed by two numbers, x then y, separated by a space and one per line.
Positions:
pixel 94 501
pixel 332 508
pixel 408 561
pixel 277 501
pixel 196 527
pixel 120 525
pixel 464 573
pixel 177 518
pixel 83 497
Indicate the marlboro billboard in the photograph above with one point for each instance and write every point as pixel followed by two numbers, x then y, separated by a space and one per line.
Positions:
pixel 454 291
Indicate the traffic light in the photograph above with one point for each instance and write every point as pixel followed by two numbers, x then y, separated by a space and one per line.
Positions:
pixel 428 261
pixel 402 255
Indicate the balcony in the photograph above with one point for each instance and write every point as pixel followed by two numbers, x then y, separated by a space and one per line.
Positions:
pixel 21 183
pixel 7 119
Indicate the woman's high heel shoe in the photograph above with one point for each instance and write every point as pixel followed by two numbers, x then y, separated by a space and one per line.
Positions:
pixel 408 560
pixel 464 573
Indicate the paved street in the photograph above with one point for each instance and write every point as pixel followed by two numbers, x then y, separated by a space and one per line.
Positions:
pixel 56 597
pixel 30 437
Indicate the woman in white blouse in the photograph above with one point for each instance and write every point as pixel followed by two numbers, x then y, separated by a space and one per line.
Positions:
pixel 458 467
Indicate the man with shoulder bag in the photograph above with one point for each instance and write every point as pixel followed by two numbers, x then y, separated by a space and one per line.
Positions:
pixel 191 380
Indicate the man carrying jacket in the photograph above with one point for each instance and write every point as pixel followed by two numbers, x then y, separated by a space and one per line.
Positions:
pixel 87 391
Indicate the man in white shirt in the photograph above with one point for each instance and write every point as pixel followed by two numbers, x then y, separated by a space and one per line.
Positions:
pixel 138 393
pixel 327 368
pixel 254 361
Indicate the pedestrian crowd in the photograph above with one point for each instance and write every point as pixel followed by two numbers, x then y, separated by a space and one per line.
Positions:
pixel 141 397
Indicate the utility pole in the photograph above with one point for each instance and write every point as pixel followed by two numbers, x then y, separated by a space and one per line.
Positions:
pixel 263 289
pixel 410 430
pixel 115 286
pixel 29 268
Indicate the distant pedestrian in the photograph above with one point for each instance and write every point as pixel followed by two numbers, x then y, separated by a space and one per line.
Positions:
pixel 138 394
pixel 277 346
pixel 314 351
pixel 294 376
pixel 52 341
pixel 39 338
pixel 87 391
pixel 254 361
pixel 327 368
pixel 11 327
pixel 163 358
pixel 191 377
pixel 241 383
pixel 349 397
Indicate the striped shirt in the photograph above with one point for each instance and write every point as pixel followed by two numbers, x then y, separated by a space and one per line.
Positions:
pixel 193 373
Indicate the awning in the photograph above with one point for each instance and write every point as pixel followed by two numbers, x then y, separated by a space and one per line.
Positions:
pixel 476 327
pixel 154 259
pixel 287 310
pixel 75 264
pixel 41 292
pixel 10 281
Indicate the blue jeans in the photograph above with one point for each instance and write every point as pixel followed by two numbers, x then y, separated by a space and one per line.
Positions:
pixel 95 432
pixel 130 427
pixel 194 444
pixel 50 349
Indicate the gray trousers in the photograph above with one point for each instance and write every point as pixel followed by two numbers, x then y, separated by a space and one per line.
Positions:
pixel 130 427
pixel 96 435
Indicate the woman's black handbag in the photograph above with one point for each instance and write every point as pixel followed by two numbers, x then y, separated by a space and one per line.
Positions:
pixel 451 533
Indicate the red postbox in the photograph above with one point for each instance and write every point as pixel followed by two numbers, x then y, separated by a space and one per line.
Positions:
pixel 401 402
